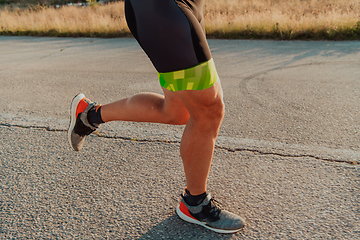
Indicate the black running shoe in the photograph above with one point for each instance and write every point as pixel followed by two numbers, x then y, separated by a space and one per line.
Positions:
pixel 79 124
pixel 208 215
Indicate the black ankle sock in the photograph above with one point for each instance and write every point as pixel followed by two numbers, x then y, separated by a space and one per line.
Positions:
pixel 94 116
pixel 194 200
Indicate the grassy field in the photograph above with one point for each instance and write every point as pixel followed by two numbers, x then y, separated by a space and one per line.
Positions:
pixel 239 19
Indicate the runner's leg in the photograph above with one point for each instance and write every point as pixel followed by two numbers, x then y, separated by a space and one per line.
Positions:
pixel 147 107
pixel 206 110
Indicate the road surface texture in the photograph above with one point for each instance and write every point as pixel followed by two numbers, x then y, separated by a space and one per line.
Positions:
pixel 287 156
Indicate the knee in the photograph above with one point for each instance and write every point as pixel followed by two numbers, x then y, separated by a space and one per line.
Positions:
pixel 211 114
pixel 217 111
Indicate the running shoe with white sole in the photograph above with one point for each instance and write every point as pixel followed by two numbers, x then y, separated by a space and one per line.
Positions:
pixel 208 215
pixel 79 125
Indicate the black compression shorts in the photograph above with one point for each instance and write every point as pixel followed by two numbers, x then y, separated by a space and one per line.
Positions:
pixel 172 34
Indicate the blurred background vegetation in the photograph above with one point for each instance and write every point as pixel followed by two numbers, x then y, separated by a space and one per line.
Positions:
pixel 27 3
pixel 231 19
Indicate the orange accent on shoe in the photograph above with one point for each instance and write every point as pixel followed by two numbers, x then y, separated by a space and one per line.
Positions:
pixel 185 211
pixel 81 106
pixel 97 107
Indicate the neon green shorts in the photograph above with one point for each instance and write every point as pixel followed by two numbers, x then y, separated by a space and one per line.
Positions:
pixel 200 77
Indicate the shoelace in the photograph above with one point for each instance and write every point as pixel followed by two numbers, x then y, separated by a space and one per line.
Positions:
pixel 211 211
pixel 214 209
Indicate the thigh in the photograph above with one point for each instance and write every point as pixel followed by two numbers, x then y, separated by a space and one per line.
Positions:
pixel 199 102
pixel 170 33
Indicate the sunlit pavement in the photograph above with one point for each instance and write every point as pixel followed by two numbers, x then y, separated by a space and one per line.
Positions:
pixel 286 160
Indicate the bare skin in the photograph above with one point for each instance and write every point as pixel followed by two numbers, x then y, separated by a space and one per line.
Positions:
pixel 201 110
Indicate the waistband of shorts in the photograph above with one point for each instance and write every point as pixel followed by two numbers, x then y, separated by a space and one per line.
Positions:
pixel 199 77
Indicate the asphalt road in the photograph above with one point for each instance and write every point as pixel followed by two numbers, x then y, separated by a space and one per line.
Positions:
pixel 287 156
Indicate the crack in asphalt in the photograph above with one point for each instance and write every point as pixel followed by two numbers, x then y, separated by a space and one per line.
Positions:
pixel 178 142
pixel 288 155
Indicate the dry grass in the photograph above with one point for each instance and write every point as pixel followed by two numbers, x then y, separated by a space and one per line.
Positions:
pixel 106 21
pixel 279 19
pixel 283 18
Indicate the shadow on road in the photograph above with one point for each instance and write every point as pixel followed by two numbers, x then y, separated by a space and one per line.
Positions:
pixel 175 228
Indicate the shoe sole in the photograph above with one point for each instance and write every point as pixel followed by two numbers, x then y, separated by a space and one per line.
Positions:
pixel 192 220
pixel 74 105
